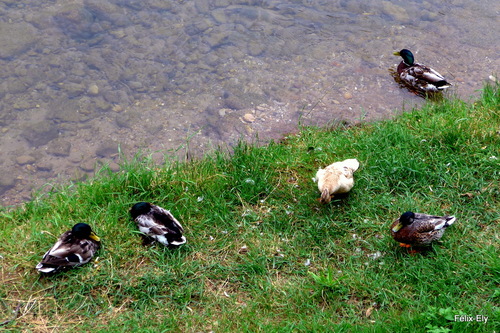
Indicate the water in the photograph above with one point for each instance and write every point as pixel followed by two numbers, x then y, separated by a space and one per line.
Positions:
pixel 81 77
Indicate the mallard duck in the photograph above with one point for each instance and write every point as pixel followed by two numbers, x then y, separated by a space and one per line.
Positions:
pixel 414 229
pixel 75 247
pixel 336 178
pixel 158 224
pixel 421 77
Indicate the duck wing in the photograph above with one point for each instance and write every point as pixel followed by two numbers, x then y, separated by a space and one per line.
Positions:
pixel 162 226
pixel 427 223
pixel 422 74
pixel 168 221
pixel 347 172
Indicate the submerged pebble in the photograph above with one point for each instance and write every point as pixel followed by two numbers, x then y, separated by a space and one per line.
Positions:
pixel 397 13
pixel 113 166
pixel 107 149
pixel 93 90
pixel 44 166
pixel 88 165
pixel 25 159
pixel 6 182
pixel 249 118
pixel 59 147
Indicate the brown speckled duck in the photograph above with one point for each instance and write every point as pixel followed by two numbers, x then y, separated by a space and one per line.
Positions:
pixel 423 78
pixel 415 229
pixel 73 248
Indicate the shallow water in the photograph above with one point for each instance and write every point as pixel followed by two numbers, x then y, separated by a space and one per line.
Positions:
pixel 81 77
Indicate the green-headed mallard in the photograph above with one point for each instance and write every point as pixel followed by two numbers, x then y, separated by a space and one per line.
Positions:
pixel 73 248
pixel 336 178
pixel 414 229
pixel 158 224
pixel 421 77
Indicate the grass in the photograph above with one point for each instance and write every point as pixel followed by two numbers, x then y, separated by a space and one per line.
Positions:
pixel 263 255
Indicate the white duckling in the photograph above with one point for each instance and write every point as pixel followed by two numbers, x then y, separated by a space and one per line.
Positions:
pixel 336 178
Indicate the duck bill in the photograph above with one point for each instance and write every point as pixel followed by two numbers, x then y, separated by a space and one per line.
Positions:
pixel 397 227
pixel 94 237
pixel 396 53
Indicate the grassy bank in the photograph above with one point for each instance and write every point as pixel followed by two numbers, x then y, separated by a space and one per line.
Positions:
pixel 306 267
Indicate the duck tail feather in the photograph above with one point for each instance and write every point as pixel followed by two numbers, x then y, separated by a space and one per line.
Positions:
pixel 325 196
pixel 450 220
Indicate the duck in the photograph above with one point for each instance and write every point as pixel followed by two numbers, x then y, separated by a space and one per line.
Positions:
pixel 416 229
pixel 336 178
pixel 73 248
pixel 158 224
pixel 420 77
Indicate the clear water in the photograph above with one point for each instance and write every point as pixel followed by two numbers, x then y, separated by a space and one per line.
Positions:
pixel 81 77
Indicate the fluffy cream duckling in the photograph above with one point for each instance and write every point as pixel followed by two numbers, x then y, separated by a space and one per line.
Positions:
pixel 336 178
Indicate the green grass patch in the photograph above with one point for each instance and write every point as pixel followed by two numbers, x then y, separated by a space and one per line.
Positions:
pixel 263 255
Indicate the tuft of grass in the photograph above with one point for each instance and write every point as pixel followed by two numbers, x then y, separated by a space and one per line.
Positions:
pixel 263 255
